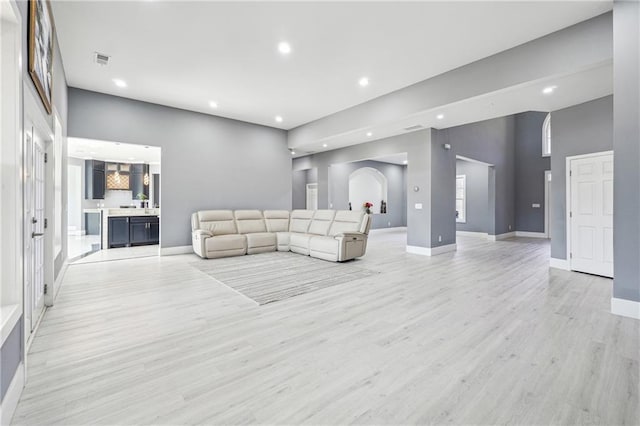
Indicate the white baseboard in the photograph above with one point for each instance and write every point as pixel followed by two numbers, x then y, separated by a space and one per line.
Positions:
pixel 625 308
pixel 428 251
pixel 389 228
pixel 77 232
pixel 11 398
pixel 171 251
pixel 559 264
pixel 58 281
pixel 472 234
pixel 504 236
pixel 530 234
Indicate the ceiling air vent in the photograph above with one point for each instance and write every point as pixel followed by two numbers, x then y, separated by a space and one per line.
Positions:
pixel 101 58
pixel 412 128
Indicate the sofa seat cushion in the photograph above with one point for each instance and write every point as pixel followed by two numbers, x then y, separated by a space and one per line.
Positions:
pixel 283 240
pixel 327 248
pixel 261 239
pixel 299 243
pixel 226 242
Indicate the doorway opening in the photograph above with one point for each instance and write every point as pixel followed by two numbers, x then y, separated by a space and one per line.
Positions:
pixel 475 198
pixel 113 200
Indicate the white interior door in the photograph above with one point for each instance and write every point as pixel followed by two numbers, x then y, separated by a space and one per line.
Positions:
pixel 591 214
pixel 34 202
pixel 312 196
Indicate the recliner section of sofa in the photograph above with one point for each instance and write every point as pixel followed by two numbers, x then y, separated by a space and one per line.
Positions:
pixel 326 234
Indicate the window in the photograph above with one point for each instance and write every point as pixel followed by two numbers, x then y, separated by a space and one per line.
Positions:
pixel 461 198
pixel 546 136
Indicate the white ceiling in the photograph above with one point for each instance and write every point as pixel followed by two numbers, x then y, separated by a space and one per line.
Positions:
pixel 184 54
pixel 112 151
pixel 570 90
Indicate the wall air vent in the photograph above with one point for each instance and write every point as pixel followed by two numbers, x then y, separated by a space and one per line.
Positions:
pixel 412 128
pixel 101 58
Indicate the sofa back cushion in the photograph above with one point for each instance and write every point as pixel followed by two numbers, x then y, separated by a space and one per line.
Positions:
pixel 277 220
pixel 321 222
pixel 300 220
pixel 250 221
pixel 348 221
pixel 218 222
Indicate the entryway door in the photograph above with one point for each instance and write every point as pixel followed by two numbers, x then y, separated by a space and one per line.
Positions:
pixel 312 196
pixel 34 203
pixel 591 214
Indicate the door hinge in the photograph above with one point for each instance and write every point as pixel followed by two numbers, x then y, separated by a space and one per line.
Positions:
pixel 46 288
pixel 570 172
pixel 46 157
pixel 570 255
pixel 46 222
pixel 570 214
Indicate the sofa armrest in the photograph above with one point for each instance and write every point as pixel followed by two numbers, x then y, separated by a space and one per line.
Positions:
pixel 357 236
pixel 198 238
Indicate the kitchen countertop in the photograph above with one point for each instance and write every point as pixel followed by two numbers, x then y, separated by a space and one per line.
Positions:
pixel 111 212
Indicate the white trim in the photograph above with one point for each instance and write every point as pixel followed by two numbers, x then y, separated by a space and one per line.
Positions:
pixel 567 213
pixel 472 234
pixel 546 124
pixel 464 198
pixel 390 228
pixel 171 251
pixel 57 284
pixel 471 160
pixel 428 251
pixel 625 308
pixel 531 234
pixel 547 196
pixel 11 398
pixel 9 317
pixel 501 237
pixel 559 264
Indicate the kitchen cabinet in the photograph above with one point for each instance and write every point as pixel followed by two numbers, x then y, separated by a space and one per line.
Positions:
pixel 118 232
pixel 94 174
pixel 133 231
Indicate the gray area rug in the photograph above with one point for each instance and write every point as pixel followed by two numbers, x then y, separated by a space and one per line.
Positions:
pixel 270 277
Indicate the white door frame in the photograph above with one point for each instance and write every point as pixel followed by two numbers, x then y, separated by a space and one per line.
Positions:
pixel 547 197
pixel 568 196
pixel 308 187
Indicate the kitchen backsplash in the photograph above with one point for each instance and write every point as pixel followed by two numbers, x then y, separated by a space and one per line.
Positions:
pixel 117 198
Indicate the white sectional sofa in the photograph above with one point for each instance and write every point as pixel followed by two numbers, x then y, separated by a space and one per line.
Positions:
pixel 326 234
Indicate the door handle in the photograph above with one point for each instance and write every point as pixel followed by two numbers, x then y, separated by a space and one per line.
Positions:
pixel 36 234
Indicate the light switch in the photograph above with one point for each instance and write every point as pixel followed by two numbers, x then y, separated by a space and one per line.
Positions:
pixel 418 206
pixel 535 205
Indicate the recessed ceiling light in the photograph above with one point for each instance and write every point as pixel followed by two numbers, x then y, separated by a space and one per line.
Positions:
pixel 364 81
pixel 120 83
pixel 405 162
pixel 440 116
pixel 284 47
pixel 278 119
pixel 549 90
pixel 369 134
pixel 213 104
pixel 324 145
pixel 293 152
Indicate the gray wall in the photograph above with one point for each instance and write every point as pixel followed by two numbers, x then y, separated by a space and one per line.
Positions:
pixel 491 142
pixel 529 172
pixel 208 162
pixel 477 197
pixel 396 191
pixel 299 189
pixel 580 129
pixel 10 357
pixel 626 112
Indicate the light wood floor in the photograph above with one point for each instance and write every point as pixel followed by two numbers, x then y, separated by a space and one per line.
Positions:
pixel 486 335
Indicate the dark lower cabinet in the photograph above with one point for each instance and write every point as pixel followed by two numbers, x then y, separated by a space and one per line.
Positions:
pixel 118 232
pixel 140 230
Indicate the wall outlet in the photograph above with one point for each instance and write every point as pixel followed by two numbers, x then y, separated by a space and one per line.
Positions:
pixel 331 205
pixel 388 223
pixel 535 205
pixel 439 238
pixel 418 206
pixel 509 227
